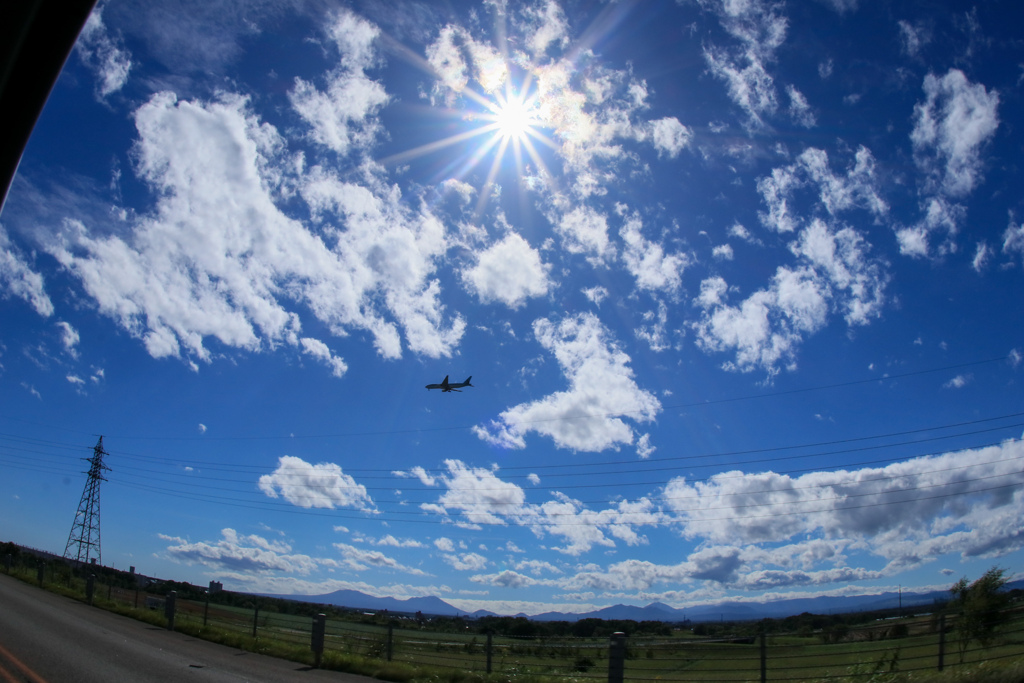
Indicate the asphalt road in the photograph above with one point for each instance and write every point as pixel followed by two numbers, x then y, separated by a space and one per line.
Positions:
pixel 47 638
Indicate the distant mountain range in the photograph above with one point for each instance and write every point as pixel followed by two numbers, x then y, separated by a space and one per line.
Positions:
pixel 656 611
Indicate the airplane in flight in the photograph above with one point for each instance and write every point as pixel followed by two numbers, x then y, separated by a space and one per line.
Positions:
pixel 447 386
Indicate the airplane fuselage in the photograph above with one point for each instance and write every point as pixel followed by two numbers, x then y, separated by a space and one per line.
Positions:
pixel 446 386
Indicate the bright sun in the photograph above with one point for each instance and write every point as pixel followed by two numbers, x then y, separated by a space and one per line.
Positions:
pixel 513 119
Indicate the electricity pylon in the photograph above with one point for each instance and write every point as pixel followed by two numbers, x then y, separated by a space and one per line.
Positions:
pixel 85 532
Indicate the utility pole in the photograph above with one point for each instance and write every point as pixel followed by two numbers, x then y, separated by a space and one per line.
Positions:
pixel 84 539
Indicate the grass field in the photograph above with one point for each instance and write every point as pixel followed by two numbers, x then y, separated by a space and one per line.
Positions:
pixel 894 651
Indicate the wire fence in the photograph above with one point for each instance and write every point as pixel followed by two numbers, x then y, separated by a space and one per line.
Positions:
pixel 920 644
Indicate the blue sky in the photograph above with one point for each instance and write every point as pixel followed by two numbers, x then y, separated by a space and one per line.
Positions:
pixel 738 284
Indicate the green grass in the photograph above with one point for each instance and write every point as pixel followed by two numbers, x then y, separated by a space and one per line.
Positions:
pixel 427 657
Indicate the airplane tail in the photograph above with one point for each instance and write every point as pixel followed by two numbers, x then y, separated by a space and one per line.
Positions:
pixel 467 381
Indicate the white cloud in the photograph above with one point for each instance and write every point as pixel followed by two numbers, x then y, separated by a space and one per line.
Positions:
pixel 723 252
pixel 842 6
pixel 588 416
pixel 836 193
pixel 913 38
pixel 103 54
pixel 765 329
pixel 670 136
pixel 317 349
pixel 842 257
pixel 444 544
pixel 478 494
pixel 392 542
pixel 242 553
pixel 537 567
pixel 647 261
pixel 739 231
pixel 951 127
pixel 940 215
pixel 585 231
pixel 314 486
pixel 799 109
pixel 967 501
pixel 509 271
pixel 466 562
pixel 419 473
pixel 18 279
pixel 760 31
pixel 1013 239
pixel 982 255
pixel 644 448
pixel 958 382
pixel 217 258
pixel 344 115
pixel 360 560
pixel 597 294
pixel 68 338
pixel 654 331
pixel 546 26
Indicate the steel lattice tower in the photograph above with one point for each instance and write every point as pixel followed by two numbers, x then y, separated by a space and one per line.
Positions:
pixel 85 532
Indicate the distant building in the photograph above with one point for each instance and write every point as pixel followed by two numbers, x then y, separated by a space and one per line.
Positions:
pixel 216 587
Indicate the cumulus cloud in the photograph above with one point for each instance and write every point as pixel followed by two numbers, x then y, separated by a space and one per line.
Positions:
pixel 670 136
pixel 655 331
pixel 103 54
pixel 314 486
pixel 18 279
pixel 478 494
pixel 836 272
pixel 647 261
pixel 247 554
pixel 481 497
pixel 509 271
pixel 584 230
pixel 940 216
pixel 965 501
pixel 343 116
pixel 69 338
pixel 799 109
pixel 360 560
pixel 1013 239
pixel 913 37
pixel 760 31
pixel 589 415
pixel 951 128
pixel 317 349
pixel 218 259
pixel 766 328
pixel 466 562
pixel 857 188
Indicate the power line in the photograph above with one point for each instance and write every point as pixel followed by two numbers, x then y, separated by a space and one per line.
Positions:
pixel 418 430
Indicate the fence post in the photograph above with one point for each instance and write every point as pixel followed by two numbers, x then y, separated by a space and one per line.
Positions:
pixel 390 644
pixel 255 618
pixel 169 608
pixel 39 573
pixel 490 636
pixel 617 658
pixel 206 609
pixel 317 640
pixel 90 585
pixel 942 641
pixel 764 656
